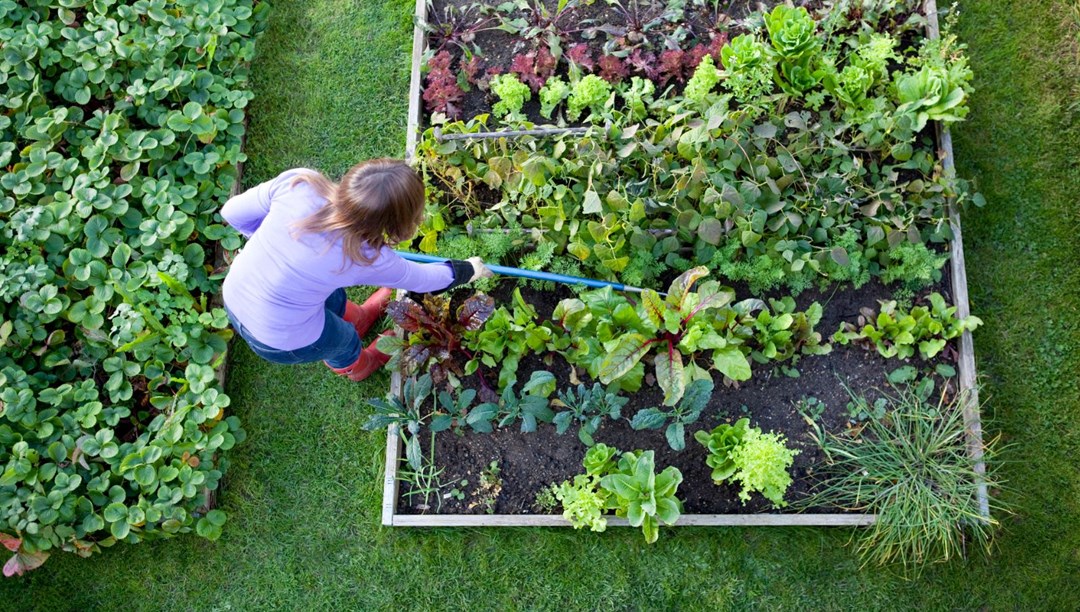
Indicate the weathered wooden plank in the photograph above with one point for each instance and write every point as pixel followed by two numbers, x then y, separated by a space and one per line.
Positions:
pixel 966 365
pixel 393 446
pixel 509 133
pixel 415 102
pixel 686 520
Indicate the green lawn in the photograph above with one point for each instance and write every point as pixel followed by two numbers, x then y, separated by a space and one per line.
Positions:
pixel 303 492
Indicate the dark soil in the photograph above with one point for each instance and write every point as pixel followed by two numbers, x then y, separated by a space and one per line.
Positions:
pixel 530 462
pixel 498 48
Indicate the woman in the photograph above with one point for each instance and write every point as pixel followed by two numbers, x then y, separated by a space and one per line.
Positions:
pixel 308 238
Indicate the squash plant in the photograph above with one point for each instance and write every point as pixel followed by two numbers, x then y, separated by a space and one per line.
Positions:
pixel 121 133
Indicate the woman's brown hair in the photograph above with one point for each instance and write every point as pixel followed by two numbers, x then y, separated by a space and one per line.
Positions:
pixel 377 203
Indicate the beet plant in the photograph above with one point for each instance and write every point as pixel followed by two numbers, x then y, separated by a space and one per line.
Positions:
pixel 433 337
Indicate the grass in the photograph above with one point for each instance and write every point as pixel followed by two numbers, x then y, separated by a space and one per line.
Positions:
pixel 303 493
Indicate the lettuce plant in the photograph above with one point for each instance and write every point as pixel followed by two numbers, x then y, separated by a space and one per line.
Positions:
pixel 706 76
pixel 931 93
pixel 626 483
pixel 896 333
pixel 749 67
pixel 743 454
pixel 443 93
pixel 512 95
pixel 534 68
pixel 638 97
pixel 795 42
pixel 583 500
pixel 646 499
pixel 554 91
pixel 686 412
pixel 590 93
pixel 761 465
pixel 721 443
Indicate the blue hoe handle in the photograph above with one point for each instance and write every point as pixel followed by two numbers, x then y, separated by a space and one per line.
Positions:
pixel 521 273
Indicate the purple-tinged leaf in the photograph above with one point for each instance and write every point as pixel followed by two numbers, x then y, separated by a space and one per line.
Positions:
pixel 475 311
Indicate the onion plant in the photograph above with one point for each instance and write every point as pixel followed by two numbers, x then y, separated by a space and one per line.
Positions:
pixel 912 468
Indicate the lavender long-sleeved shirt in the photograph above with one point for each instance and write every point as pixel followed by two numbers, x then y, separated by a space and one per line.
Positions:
pixel 277 285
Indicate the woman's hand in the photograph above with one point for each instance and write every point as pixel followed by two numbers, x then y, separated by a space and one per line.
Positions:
pixel 479 269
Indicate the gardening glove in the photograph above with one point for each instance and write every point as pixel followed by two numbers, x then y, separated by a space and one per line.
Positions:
pixel 479 269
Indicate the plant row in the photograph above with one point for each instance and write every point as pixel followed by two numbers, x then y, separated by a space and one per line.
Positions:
pixel 122 127
pixel 908 464
pixel 824 171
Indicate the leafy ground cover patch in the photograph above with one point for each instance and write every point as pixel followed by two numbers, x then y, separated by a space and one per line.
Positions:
pixel 121 127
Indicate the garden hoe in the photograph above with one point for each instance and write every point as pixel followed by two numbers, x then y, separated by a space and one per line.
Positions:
pixel 532 274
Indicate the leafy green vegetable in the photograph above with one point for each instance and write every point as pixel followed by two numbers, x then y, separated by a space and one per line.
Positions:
pixel 554 91
pixel 749 67
pixel 432 335
pixel 705 77
pixel 583 502
pixel 587 407
pixel 512 94
pixel 406 412
pixel 756 460
pixel 686 412
pixel 644 497
pixel 931 93
pixel 589 93
pixel 761 463
pixel 721 442
pixel 897 334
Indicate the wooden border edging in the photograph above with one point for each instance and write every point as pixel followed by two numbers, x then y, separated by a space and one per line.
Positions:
pixel 972 418
pixel 508 133
pixel 972 422
pixel 415 102
pixel 686 520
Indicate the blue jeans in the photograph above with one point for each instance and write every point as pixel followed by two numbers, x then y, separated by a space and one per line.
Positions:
pixel 339 345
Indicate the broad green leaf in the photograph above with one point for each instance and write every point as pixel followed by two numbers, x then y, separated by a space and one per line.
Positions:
pixel 731 362
pixel 669 375
pixel 629 350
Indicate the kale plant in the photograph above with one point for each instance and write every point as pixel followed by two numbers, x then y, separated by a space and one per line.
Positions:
pixel 587 407
pixel 686 412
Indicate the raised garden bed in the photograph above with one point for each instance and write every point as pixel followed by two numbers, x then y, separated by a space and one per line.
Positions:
pixel 529 462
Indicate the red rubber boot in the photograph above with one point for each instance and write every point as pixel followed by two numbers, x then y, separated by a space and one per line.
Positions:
pixel 369 361
pixel 363 316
